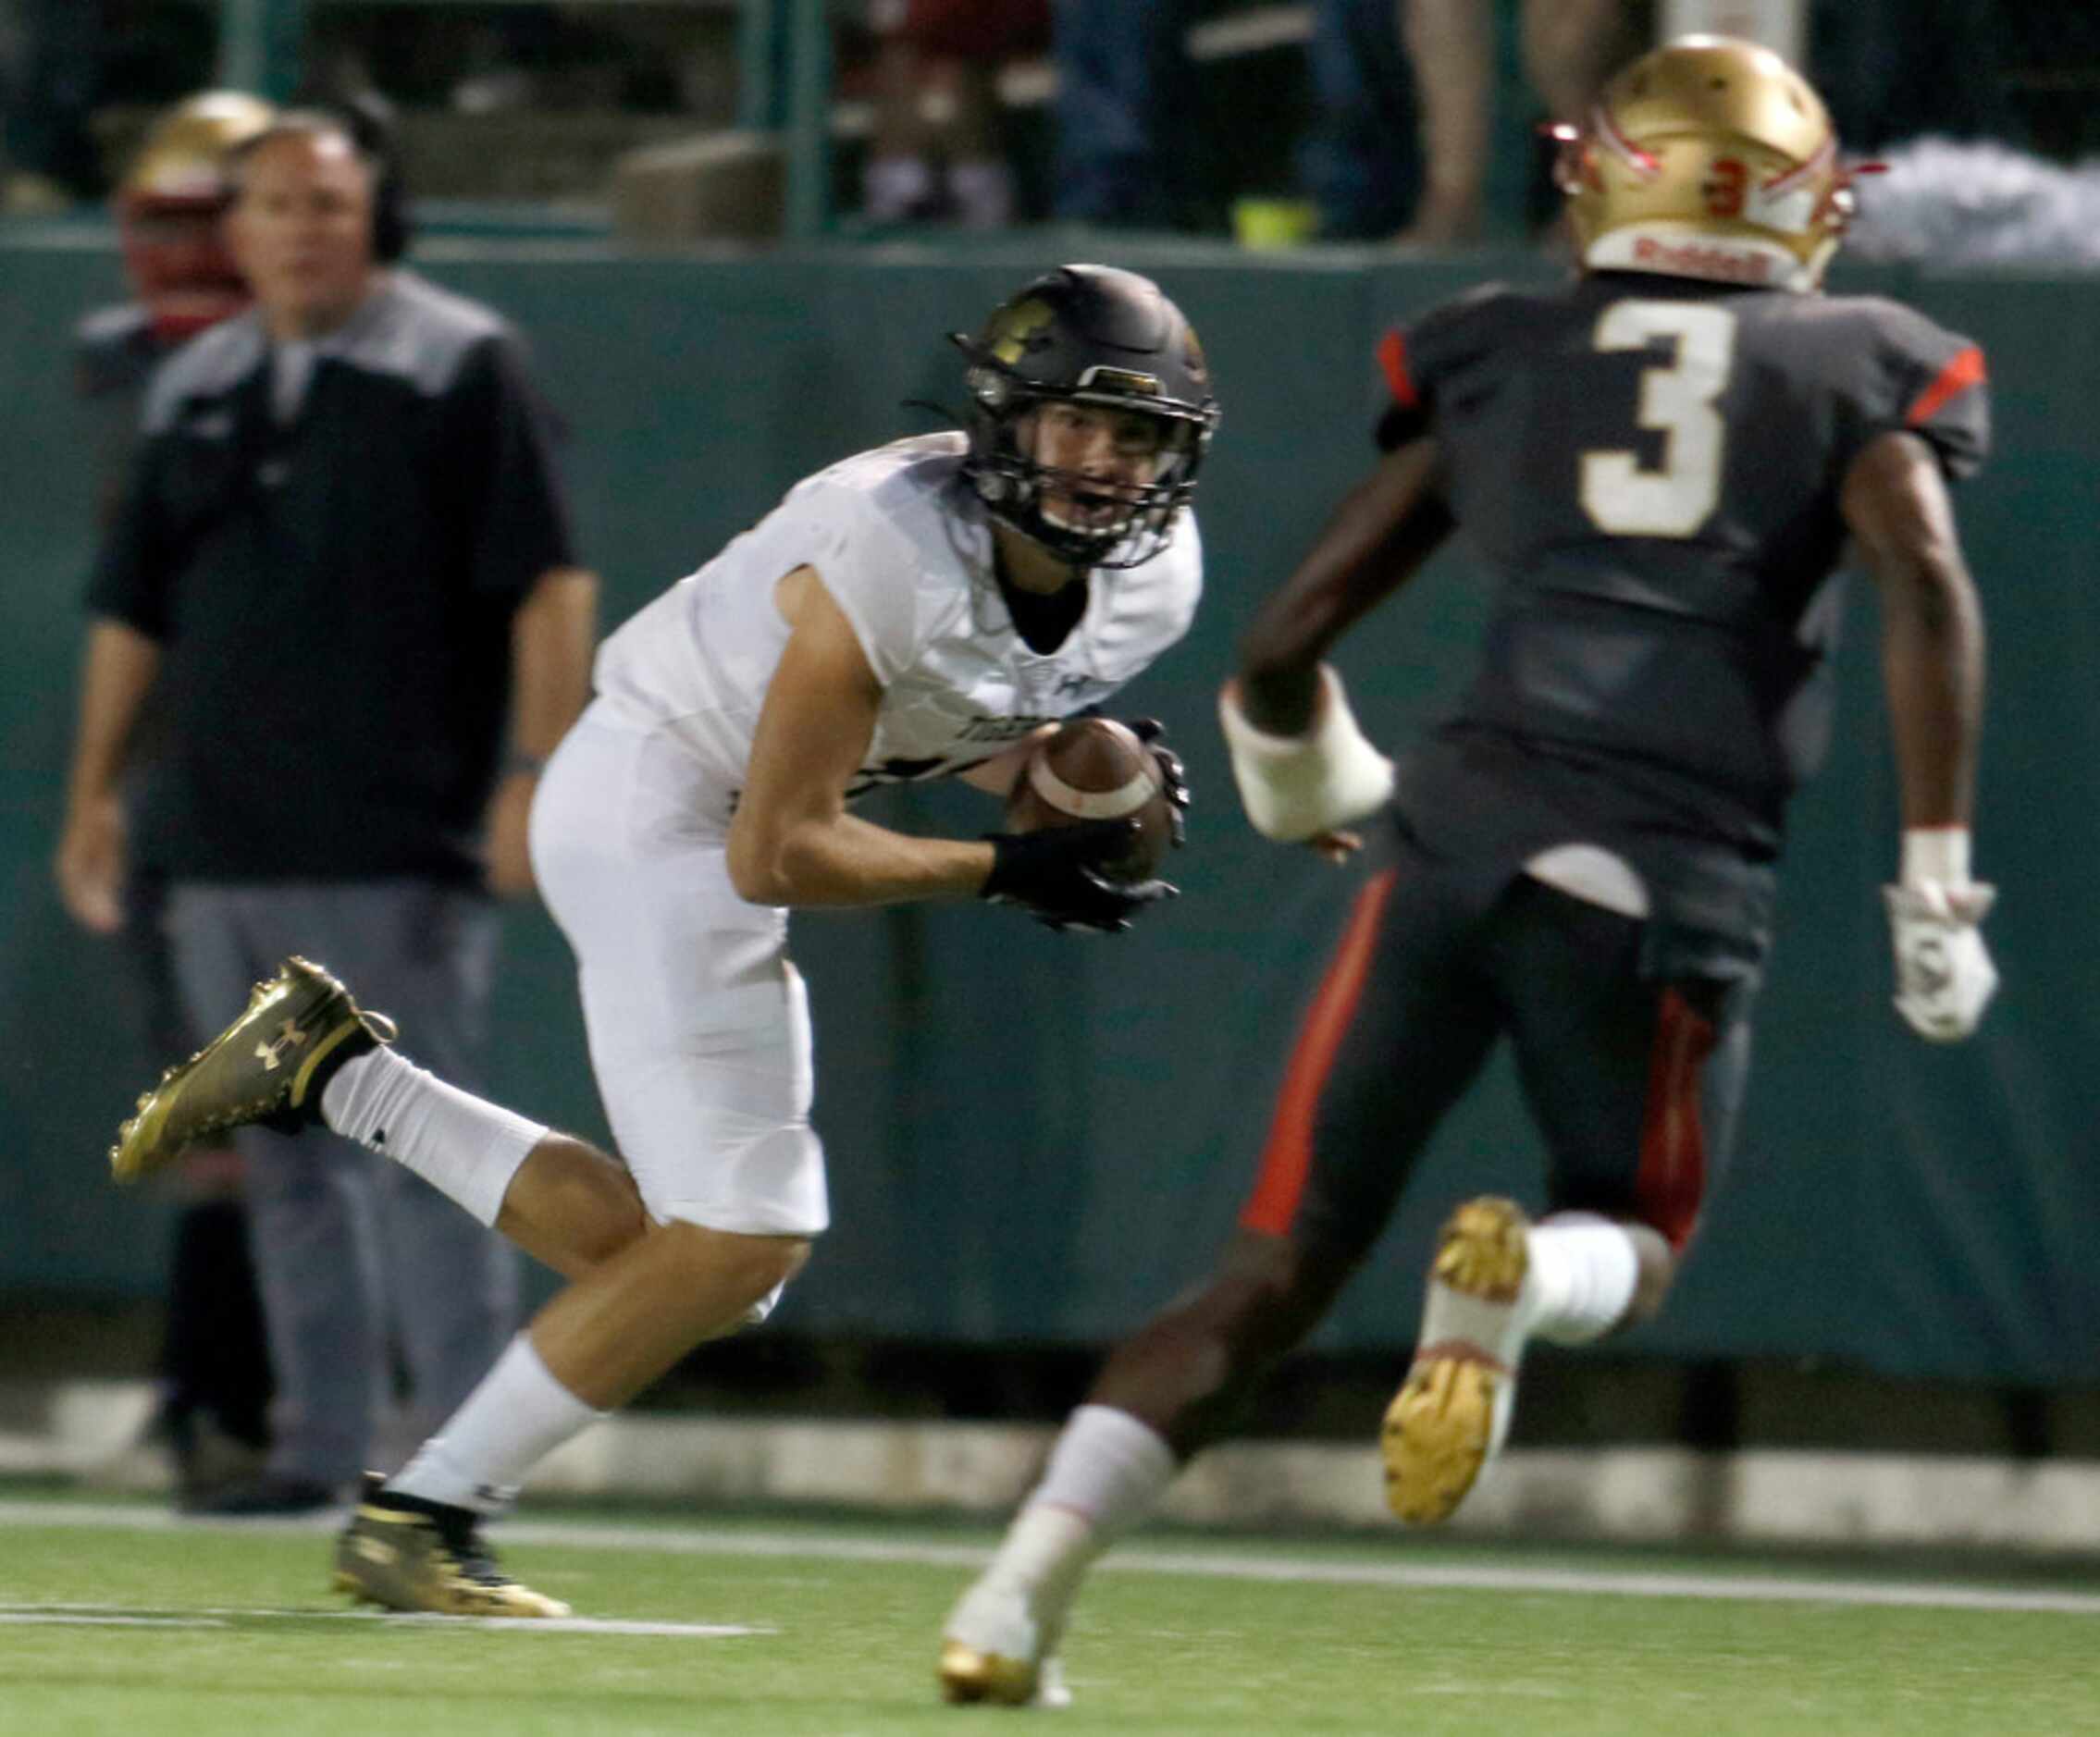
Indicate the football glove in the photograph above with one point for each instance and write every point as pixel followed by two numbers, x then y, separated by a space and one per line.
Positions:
pixel 1059 876
pixel 1173 775
pixel 1943 975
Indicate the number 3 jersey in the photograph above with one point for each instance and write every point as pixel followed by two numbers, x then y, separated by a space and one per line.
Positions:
pixel 904 547
pixel 1652 468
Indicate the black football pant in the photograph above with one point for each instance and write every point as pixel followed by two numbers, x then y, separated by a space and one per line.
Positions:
pixel 1631 1042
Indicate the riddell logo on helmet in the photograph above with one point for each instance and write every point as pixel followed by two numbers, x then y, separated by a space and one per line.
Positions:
pixel 1702 259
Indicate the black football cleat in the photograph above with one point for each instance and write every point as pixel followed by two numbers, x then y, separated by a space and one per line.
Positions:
pixel 268 1067
pixel 407 1554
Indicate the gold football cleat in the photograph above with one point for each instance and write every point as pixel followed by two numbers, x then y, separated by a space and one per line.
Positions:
pixel 409 1555
pixel 967 1676
pixel 1446 1421
pixel 268 1067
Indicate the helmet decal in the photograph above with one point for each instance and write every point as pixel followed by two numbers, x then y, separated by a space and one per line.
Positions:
pixel 1645 164
pixel 1015 327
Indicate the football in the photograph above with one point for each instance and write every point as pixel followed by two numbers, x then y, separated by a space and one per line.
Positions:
pixel 1095 768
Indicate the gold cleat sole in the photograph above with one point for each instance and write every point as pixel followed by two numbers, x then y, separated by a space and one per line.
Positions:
pixel 1436 1437
pixel 1481 1252
pixel 1441 1426
pixel 968 1676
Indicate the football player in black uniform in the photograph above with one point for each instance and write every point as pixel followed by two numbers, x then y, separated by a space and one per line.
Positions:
pixel 1663 460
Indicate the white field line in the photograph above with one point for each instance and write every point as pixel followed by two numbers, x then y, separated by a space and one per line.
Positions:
pixel 11 1616
pixel 1203 1564
pixel 105 1616
pixel 556 1625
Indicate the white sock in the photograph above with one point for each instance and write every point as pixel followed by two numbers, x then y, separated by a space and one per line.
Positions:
pixel 1107 1468
pixel 1105 1475
pixel 514 1419
pixel 464 1146
pixel 1581 1278
pixel 983 192
pixel 892 188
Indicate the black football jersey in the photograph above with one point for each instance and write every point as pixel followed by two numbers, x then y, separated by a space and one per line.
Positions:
pixel 1651 466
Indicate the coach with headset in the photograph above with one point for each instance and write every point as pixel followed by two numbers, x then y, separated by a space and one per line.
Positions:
pixel 342 580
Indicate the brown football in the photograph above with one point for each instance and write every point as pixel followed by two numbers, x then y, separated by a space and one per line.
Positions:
pixel 1095 768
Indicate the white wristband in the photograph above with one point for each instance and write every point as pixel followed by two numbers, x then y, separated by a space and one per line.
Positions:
pixel 1296 787
pixel 1936 854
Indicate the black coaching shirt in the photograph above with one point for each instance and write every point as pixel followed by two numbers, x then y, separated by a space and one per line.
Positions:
pixel 333 591
pixel 1651 466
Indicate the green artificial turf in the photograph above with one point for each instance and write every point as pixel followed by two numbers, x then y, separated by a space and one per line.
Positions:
pixel 100 1633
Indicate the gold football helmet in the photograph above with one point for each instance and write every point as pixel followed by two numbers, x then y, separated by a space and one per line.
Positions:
pixel 169 208
pixel 184 156
pixel 1708 157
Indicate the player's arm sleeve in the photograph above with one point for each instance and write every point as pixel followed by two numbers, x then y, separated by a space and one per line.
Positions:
pixel 522 527
pixel 868 568
pixel 1405 412
pixel 1926 381
pixel 1416 361
pixel 136 557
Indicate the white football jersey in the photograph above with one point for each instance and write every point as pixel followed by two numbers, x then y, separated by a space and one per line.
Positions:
pixel 903 545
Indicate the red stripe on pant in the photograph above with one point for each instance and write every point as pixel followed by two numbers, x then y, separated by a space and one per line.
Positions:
pixel 1288 1156
pixel 1672 1181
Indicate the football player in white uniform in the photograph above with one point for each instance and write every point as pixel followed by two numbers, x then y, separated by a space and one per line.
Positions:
pixel 915 612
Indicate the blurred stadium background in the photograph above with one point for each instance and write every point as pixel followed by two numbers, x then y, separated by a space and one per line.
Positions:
pixel 1891 1332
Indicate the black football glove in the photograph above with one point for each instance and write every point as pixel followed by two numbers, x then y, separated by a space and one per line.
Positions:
pixel 1059 876
pixel 1173 775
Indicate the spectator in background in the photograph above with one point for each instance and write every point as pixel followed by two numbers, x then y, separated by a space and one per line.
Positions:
pixel 953 167
pixel 214 1365
pixel 1568 46
pixel 341 573
pixel 50 71
pixel 1360 162
pixel 1124 84
pixel 1405 91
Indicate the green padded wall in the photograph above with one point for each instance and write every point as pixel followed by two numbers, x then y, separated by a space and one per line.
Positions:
pixel 1040 1138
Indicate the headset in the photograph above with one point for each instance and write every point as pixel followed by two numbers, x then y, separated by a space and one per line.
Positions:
pixel 369 121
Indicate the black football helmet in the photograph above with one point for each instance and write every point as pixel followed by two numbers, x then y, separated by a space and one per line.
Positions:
pixel 1088 335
